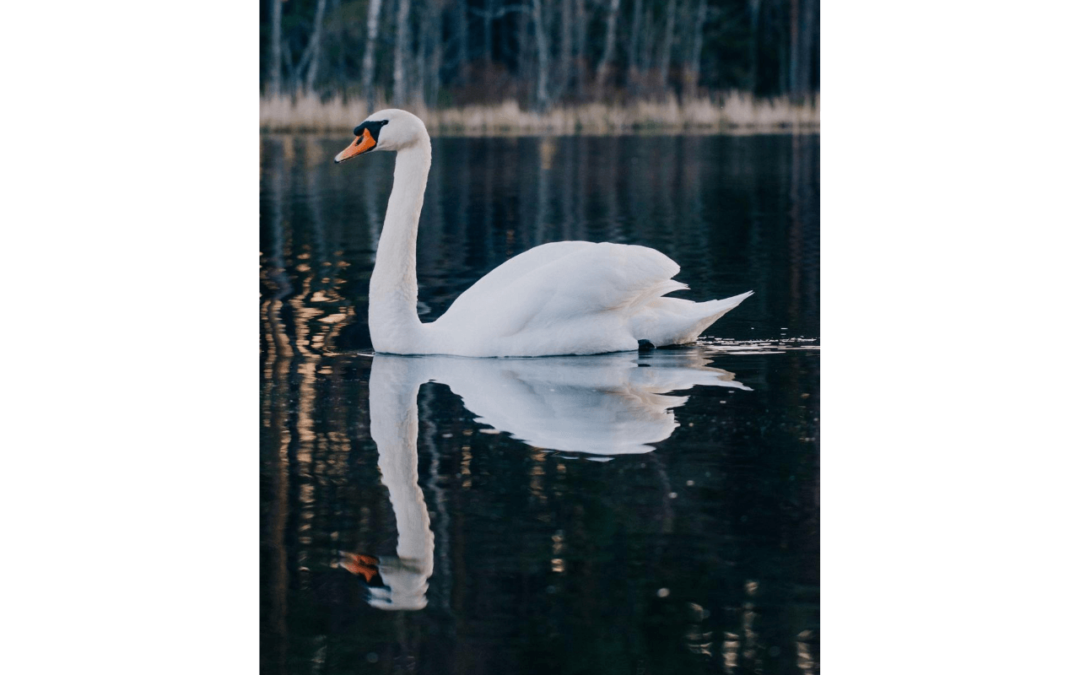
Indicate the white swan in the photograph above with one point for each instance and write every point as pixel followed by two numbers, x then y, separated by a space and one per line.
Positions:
pixel 600 406
pixel 570 297
pixel 605 405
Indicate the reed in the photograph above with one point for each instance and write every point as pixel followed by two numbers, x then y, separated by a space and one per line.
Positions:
pixel 733 112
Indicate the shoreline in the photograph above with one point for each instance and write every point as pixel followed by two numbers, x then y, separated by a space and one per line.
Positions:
pixel 733 113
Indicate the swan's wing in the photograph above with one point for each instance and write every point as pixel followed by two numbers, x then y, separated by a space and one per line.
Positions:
pixel 551 284
pixel 514 269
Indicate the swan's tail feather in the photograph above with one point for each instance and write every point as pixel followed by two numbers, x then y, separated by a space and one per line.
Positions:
pixel 674 321
pixel 727 304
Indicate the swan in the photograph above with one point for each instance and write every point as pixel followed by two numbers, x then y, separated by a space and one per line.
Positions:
pixel 562 298
pixel 598 406
pixel 394 427
pixel 602 405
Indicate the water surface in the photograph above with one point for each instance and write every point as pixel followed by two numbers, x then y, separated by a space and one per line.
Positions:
pixel 627 513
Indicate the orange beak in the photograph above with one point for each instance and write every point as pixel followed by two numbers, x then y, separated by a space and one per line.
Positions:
pixel 362 144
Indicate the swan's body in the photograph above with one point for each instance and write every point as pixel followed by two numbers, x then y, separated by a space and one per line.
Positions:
pixel 571 297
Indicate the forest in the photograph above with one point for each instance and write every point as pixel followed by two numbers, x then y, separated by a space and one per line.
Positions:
pixel 538 56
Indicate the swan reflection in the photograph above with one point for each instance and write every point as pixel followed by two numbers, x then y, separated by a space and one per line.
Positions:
pixel 606 405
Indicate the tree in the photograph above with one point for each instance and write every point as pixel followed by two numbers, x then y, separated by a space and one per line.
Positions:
pixel 609 46
pixel 461 39
pixel 669 41
pixel 489 16
pixel 566 45
pixel 537 52
pixel 275 47
pixel 633 64
pixel 692 72
pixel 803 47
pixel 315 44
pixel 755 21
pixel 401 55
pixel 582 18
pixel 541 56
pixel 368 82
pixel 429 50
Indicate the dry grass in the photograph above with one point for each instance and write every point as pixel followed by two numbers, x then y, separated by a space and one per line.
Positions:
pixel 734 112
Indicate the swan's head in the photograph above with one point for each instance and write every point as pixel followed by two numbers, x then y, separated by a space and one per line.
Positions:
pixel 385 130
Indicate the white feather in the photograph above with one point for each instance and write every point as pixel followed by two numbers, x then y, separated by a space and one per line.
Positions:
pixel 571 297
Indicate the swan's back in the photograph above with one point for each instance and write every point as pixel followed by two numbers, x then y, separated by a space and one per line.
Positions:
pixel 570 297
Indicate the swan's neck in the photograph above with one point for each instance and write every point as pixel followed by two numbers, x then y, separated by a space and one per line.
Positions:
pixel 392 318
pixel 393 386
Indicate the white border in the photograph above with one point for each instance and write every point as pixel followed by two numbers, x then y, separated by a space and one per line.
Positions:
pixel 949 218
pixel 950 240
pixel 130 211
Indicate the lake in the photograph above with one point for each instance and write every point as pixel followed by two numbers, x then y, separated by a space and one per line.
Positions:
pixel 653 512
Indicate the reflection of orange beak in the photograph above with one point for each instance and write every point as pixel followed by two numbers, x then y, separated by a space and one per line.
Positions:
pixel 356 563
pixel 362 144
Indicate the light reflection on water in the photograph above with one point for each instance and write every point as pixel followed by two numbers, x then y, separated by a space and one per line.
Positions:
pixel 464 488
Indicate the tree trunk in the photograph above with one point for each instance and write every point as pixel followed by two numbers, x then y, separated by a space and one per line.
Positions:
pixel 632 62
pixel 275 47
pixel 429 53
pixel 693 69
pixel 368 77
pixel 290 71
pixel 793 50
pixel 339 41
pixel 669 40
pixel 609 47
pixel 648 38
pixel 807 24
pixel 401 55
pixel 565 46
pixel 581 16
pixel 436 56
pixel 461 31
pixel 489 15
pixel 542 65
pixel 755 15
pixel 512 38
pixel 316 45
pixel 562 66
pixel 421 65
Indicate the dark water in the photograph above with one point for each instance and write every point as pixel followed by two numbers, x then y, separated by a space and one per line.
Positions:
pixel 653 513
